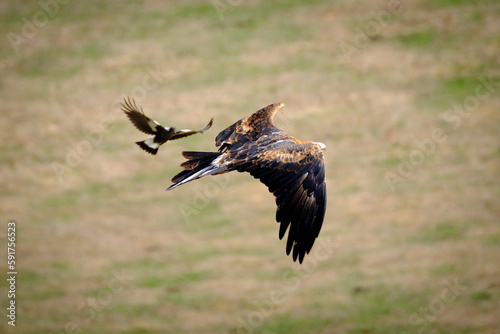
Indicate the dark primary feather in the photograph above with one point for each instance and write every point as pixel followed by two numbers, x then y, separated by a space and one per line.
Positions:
pixel 293 171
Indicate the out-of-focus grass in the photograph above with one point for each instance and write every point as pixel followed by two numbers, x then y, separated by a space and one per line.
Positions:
pixel 417 39
pixel 441 231
pixel 452 91
pixel 216 266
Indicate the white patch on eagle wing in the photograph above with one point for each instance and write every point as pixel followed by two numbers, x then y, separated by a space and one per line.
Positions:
pixel 216 161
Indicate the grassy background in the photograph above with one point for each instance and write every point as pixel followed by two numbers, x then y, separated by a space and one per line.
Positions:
pixel 206 257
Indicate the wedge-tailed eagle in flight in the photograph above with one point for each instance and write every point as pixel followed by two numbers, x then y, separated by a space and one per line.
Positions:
pixel 294 171
pixel 162 134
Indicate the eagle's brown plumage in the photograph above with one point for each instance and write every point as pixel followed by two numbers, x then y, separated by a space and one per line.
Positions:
pixel 151 127
pixel 293 171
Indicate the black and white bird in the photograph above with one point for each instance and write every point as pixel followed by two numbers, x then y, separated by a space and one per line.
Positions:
pixel 162 134
pixel 294 171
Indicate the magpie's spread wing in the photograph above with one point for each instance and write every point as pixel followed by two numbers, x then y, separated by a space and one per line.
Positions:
pixel 295 174
pixel 185 133
pixel 138 118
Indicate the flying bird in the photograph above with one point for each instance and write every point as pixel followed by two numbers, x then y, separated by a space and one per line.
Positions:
pixel 161 133
pixel 294 171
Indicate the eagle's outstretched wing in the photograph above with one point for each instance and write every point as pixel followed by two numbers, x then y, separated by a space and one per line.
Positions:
pixel 295 174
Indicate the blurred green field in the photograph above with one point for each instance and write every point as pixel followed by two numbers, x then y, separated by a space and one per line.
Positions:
pixel 404 94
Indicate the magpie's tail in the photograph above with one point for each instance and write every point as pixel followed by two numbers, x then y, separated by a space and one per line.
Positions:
pixel 149 145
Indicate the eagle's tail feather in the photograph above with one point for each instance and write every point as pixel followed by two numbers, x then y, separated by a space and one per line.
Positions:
pixel 199 164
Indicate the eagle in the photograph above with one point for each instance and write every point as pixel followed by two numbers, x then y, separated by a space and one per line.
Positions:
pixel 294 171
pixel 161 133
